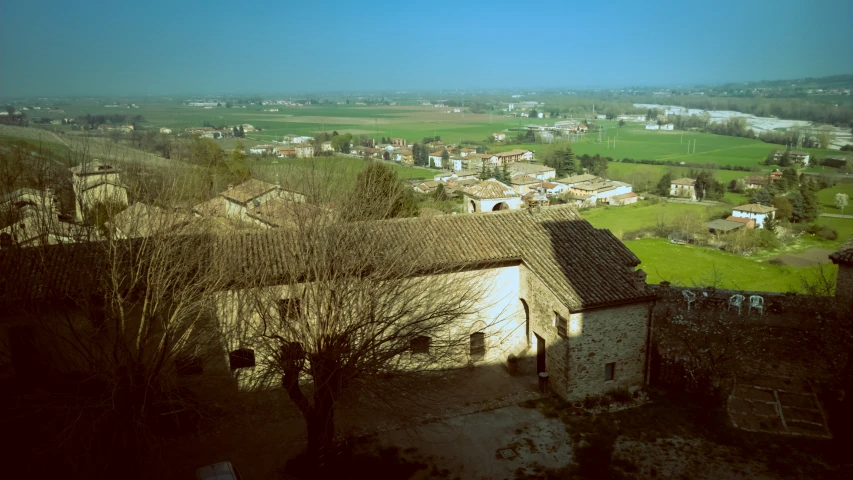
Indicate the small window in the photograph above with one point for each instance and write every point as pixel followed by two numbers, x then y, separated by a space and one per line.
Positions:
pixel 609 371
pixel 189 365
pixel 242 358
pixel 560 323
pixel 289 308
pixel 478 345
pixel 420 344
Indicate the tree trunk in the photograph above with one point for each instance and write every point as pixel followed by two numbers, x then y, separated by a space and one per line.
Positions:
pixel 321 429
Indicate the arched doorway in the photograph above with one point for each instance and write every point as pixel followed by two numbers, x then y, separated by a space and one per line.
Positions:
pixel 473 207
pixel 500 206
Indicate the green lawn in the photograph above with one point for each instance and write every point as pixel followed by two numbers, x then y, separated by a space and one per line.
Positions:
pixel 640 215
pixel 691 265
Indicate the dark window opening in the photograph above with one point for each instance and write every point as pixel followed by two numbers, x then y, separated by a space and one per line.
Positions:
pixel 420 344
pixel 560 323
pixel 242 358
pixel 289 308
pixel 189 365
pixel 609 371
pixel 478 345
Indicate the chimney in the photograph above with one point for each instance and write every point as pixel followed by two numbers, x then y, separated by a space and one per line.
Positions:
pixel 640 280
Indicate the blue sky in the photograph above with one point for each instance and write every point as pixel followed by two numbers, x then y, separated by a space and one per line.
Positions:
pixel 155 47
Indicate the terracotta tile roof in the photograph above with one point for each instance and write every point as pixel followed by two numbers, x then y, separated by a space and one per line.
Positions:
pixel 578 179
pixel 142 220
pixel 755 208
pixel 529 168
pixel 742 220
pixel 524 180
pixel 583 266
pixel 843 255
pixel 684 181
pixel 280 212
pixel 625 195
pixel 215 207
pixel 248 190
pixel 490 189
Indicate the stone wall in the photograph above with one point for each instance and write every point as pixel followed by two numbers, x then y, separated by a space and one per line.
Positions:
pixel 844 286
pixel 576 363
pixel 601 336
pixel 780 309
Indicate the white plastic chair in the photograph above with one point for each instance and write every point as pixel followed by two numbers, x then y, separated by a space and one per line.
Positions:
pixel 756 302
pixel 689 297
pixel 736 301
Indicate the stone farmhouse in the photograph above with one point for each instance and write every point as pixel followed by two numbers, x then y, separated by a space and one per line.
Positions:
pixel 567 295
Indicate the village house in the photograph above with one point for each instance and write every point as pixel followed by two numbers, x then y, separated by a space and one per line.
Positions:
pixel 283 152
pixel 499 136
pixel 30 217
pixel 95 182
pixel 403 155
pixel 326 146
pixel 296 139
pixel 236 202
pixel 435 159
pixel 512 156
pixel 459 175
pixel 756 181
pixel 142 220
pixel 554 188
pixel 796 156
pixel 579 179
pixel 399 142
pixel 683 188
pixel 463 152
pixel 757 212
pixel 601 191
pixel 624 199
pixel 165 130
pixel 428 186
pixel 263 149
pixel 538 171
pixel 248 128
pixel 490 196
pixel 304 150
pixel 524 183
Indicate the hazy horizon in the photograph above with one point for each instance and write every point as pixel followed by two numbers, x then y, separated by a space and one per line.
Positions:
pixel 217 48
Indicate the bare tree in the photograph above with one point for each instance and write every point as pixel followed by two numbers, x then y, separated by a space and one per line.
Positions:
pixel 351 305
pixel 115 328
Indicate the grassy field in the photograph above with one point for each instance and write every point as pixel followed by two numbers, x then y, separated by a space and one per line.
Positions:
pixel 691 265
pixel 640 215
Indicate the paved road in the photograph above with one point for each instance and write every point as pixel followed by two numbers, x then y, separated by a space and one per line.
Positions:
pixel 835 215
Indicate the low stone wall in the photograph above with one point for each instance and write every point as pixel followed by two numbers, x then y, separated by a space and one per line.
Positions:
pixel 780 309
